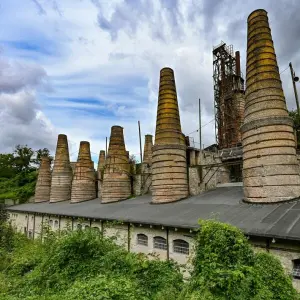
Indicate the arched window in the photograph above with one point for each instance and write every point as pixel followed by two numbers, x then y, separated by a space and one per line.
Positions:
pixel 51 223
pixel 79 226
pixel 296 268
pixel 142 239
pixel 160 243
pixel 181 246
pixel 55 224
pixel 96 229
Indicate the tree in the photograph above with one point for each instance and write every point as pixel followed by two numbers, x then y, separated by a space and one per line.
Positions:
pixel 226 267
pixel 7 169
pixel 296 118
pixel 23 157
pixel 132 159
pixel 40 153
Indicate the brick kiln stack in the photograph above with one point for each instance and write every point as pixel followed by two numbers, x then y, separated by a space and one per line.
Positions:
pixel 100 170
pixel 43 184
pixel 270 168
pixel 62 173
pixel 169 169
pixel 116 180
pixel 147 157
pixel 146 180
pixel 83 185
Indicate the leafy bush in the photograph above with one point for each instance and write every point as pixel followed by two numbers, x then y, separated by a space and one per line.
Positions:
pixel 105 287
pixel 272 281
pixel 84 265
pixel 225 267
pixel 73 262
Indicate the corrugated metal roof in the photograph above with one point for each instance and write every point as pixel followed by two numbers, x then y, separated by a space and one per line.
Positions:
pixel 224 204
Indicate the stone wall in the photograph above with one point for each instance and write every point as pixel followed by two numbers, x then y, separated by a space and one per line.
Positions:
pixel 137 184
pixel 204 171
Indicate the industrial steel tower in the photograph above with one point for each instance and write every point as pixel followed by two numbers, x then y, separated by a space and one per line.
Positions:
pixel 228 96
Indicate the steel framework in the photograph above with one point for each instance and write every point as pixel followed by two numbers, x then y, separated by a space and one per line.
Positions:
pixel 228 96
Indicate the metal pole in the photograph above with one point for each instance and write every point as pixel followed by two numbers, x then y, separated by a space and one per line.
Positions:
pixel 106 148
pixel 200 138
pixel 295 89
pixel 140 142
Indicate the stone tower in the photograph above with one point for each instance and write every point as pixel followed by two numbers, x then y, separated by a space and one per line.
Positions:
pixel 270 168
pixel 62 173
pixel 169 167
pixel 100 171
pixel 116 179
pixel 146 178
pixel 101 161
pixel 43 184
pixel 83 185
pixel 147 158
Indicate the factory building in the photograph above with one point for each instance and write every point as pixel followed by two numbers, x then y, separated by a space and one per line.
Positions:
pixel 250 179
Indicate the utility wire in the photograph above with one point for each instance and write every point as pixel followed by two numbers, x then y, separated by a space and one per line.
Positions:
pixel 284 70
pixel 201 126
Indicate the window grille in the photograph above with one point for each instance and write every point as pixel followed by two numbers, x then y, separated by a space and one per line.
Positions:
pixel 51 222
pixel 142 239
pixel 55 224
pixel 160 243
pixel 181 246
pixel 296 268
pixel 79 227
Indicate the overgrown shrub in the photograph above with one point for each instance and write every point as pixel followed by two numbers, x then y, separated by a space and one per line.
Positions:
pixel 84 265
pixel 72 262
pixel 225 267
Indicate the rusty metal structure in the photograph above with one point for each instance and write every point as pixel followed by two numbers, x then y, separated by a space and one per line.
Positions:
pixel 270 167
pixel 83 185
pixel 116 179
pixel 228 96
pixel 169 166
pixel 62 172
pixel 43 184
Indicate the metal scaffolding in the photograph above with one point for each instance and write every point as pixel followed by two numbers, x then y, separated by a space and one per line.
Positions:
pixel 228 96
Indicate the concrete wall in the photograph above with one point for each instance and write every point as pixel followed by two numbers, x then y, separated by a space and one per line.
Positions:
pixel 126 235
pixel 203 171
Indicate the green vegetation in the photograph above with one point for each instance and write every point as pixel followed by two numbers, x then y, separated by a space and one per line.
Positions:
pixel 83 265
pixel 18 173
pixel 296 118
pixel 225 267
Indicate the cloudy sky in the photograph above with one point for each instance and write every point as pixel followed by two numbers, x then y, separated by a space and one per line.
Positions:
pixel 80 66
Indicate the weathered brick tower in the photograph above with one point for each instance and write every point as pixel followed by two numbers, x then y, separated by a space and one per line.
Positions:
pixel 83 185
pixel 116 179
pixel 62 173
pixel 146 179
pixel 169 168
pixel 43 184
pixel 101 161
pixel 147 157
pixel 270 168
pixel 100 170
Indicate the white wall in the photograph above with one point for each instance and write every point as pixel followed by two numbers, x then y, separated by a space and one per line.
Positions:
pixel 33 223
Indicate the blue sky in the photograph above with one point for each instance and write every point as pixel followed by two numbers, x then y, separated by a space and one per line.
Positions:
pixel 81 66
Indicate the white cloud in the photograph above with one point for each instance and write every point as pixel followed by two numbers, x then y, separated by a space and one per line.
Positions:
pixel 112 52
pixel 22 123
